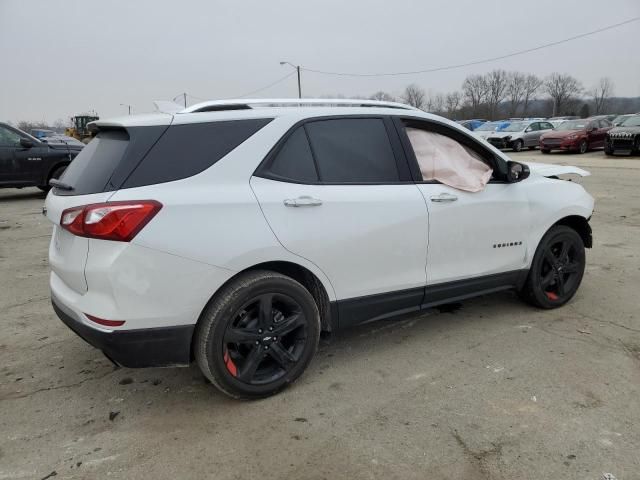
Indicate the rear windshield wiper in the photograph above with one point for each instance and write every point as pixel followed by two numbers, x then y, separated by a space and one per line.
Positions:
pixel 61 185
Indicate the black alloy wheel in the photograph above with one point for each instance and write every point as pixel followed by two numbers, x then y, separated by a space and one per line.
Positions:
pixel 265 339
pixel 557 268
pixel 257 335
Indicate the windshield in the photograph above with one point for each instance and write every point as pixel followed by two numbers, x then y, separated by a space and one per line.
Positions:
pixel 488 127
pixel 631 122
pixel 516 127
pixel 572 125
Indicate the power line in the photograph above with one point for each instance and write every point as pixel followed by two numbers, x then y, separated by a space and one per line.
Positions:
pixel 184 95
pixel 281 79
pixel 477 62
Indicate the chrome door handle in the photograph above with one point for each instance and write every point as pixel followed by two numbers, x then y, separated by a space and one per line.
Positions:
pixel 303 201
pixel 444 197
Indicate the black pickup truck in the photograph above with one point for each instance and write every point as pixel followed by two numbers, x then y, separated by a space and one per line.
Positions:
pixel 26 161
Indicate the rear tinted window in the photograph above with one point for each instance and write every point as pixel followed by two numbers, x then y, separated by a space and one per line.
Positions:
pixel 186 150
pixel 354 150
pixel 147 155
pixel 294 160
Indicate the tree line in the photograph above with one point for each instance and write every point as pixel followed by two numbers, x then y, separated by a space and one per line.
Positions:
pixel 500 94
pixel 493 95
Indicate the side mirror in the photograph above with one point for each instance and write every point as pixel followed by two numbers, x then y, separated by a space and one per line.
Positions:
pixel 516 172
pixel 26 143
pixel 528 129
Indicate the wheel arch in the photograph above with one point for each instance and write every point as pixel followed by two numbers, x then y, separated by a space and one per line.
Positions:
pixel 580 225
pixel 304 276
pixel 53 168
pixel 309 280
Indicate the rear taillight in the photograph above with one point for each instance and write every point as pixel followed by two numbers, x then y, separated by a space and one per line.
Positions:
pixel 119 221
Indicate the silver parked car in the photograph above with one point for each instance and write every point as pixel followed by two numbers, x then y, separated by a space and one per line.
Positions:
pixel 520 134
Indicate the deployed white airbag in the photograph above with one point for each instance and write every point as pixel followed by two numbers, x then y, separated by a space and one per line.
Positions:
pixel 443 159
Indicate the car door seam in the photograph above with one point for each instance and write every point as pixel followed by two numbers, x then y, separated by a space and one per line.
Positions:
pixel 284 247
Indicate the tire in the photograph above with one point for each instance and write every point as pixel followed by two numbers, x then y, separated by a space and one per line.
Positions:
pixel 583 147
pixel 233 339
pixel 57 173
pixel 608 150
pixel 545 151
pixel 517 145
pixel 557 269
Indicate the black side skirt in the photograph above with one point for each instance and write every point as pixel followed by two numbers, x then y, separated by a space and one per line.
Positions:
pixel 354 311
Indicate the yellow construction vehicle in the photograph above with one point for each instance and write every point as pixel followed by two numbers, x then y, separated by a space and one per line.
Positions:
pixel 79 129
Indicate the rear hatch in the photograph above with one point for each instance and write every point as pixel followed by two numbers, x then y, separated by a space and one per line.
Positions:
pixel 93 177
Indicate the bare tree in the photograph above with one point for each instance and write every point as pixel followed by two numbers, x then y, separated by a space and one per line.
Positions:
pixel 497 82
pixel 452 103
pixel 27 126
pixel 414 96
pixel 516 83
pixel 436 103
pixel 60 125
pixel 531 86
pixel 601 93
pixel 382 96
pixel 561 88
pixel 474 89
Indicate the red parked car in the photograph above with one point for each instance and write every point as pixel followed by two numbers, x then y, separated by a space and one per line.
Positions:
pixel 576 135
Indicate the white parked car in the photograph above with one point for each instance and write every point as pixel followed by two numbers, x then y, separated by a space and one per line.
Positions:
pixel 519 135
pixel 233 233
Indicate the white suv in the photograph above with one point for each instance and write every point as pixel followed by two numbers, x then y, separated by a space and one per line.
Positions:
pixel 233 233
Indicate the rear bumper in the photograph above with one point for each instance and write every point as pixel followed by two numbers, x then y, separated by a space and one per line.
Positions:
pixel 147 347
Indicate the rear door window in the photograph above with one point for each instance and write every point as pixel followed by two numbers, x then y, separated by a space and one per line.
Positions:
pixel 294 161
pixel 352 150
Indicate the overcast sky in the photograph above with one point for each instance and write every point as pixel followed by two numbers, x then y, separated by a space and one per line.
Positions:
pixel 64 57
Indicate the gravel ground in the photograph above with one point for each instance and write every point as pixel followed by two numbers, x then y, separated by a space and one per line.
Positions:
pixel 492 390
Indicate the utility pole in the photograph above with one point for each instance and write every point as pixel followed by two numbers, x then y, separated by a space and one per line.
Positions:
pixel 185 99
pixel 297 67
pixel 126 105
